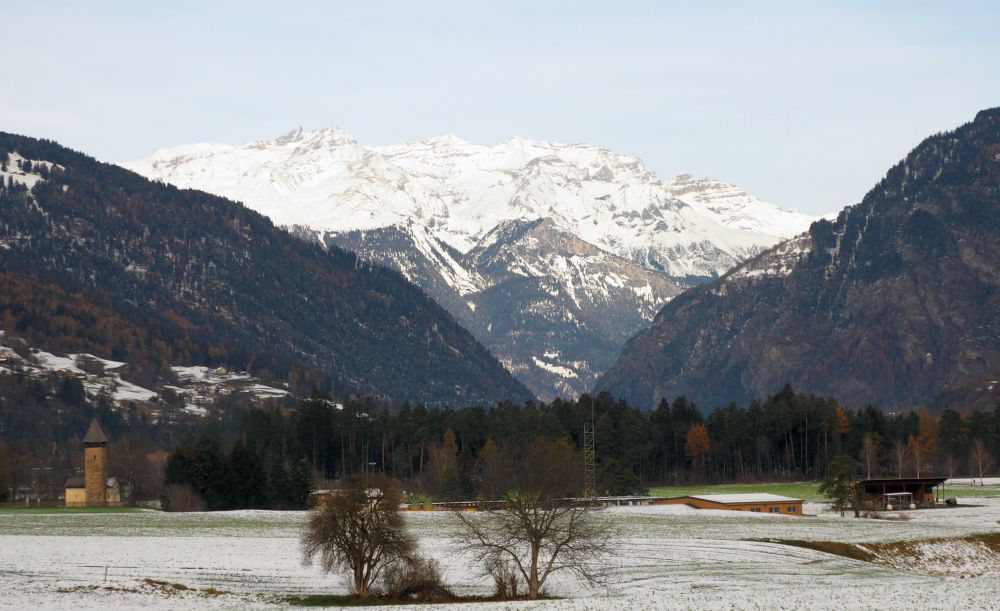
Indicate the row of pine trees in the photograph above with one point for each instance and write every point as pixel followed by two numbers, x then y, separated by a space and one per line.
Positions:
pixel 788 436
pixel 272 457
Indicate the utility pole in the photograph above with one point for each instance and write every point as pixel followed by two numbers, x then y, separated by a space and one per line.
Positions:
pixel 589 461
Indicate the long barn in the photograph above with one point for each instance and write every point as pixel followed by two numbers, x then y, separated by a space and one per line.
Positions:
pixel 759 502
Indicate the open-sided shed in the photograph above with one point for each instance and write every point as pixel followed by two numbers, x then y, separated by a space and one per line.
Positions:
pixel 899 493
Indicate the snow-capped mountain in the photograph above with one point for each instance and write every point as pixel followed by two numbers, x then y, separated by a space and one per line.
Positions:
pixel 460 191
pixel 591 233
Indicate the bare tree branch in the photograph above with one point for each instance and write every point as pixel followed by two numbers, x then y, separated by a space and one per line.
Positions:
pixel 358 529
pixel 532 529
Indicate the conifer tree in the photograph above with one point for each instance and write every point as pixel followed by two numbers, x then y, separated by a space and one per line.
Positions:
pixel 839 485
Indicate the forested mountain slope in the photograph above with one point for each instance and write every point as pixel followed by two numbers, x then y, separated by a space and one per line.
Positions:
pixel 895 303
pixel 96 258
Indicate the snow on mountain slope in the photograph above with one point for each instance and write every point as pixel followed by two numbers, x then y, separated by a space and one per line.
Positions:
pixel 735 208
pixel 553 255
pixel 460 191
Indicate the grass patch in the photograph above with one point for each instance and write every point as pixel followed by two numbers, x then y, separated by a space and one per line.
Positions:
pixel 970 491
pixel 166 584
pixel 65 510
pixel 331 600
pixel 808 491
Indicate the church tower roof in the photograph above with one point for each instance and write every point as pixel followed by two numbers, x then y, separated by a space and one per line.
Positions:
pixel 95 434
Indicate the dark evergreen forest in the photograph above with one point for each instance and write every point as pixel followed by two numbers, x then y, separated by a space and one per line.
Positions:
pixel 268 457
pixel 439 452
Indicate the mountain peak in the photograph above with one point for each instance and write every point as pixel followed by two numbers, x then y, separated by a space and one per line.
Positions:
pixel 448 139
pixel 331 136
pixel 293 136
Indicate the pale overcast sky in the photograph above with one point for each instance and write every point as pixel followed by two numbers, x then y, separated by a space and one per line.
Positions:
pixel 804 104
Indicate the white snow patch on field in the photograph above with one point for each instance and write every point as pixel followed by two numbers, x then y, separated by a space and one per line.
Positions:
pixel 668 557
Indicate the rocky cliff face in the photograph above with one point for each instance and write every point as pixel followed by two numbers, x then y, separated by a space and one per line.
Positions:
pixel 553 308
pixel 895 303
pixel 556 309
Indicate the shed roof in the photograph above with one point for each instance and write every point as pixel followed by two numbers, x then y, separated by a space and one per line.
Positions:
pixel 755 497
pixel 900 483
pixel 95 434
pixel 75 482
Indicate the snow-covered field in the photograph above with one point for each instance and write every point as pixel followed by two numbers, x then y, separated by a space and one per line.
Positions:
pixel 670 557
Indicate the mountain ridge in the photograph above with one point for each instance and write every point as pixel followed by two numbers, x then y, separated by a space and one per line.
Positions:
pixel 896 302
pixel 328 181
pixel 217 279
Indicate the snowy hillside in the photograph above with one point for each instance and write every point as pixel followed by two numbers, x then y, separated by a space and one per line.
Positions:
pixel 198 389
pixel 554 301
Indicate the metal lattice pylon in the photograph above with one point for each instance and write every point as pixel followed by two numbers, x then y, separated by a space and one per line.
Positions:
pixel 589 462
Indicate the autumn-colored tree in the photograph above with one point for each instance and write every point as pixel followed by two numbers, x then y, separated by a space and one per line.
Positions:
pixel 923 446
pixel 696 447
pixel 442 464
pixel 489 467
pixel 843 421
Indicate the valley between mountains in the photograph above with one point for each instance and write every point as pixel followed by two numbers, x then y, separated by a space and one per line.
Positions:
pixel 552 255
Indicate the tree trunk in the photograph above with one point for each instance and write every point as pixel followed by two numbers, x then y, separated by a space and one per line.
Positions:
pixel 854 500
pixel 533 574
pixel 360 586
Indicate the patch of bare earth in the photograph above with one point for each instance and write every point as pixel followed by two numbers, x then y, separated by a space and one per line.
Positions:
pixel 968 556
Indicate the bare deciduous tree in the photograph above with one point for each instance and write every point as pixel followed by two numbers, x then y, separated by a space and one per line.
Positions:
pixel 359 529
pixel 900 452
pixel 869 452
pixel 981 457
pixel 131 460
pixel 535 530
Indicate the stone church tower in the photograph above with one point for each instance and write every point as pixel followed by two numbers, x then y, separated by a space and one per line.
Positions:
pixel 95 465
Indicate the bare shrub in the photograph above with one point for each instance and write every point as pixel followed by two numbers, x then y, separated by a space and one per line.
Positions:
pixel 182 497
pixel 505 576
pixel 415 578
